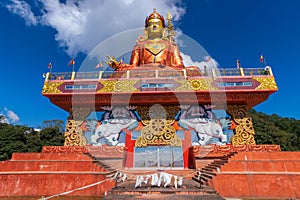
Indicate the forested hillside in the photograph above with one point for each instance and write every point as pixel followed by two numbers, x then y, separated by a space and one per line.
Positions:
pixel 273 129
pixel 269 129
pixel 24 139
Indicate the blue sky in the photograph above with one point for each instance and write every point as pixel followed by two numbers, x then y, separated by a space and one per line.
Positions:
pixel 35 32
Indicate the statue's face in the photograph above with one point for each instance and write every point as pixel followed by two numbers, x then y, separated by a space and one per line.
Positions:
pixel 155 28
pixel 120 112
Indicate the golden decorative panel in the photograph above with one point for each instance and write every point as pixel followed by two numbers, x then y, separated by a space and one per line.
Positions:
pixel 74 135
pixel 51 87
pixel 168 113
pixel 266 83
pixel 244 131
pixel 196 84
pixel 158 128
pixel 118 86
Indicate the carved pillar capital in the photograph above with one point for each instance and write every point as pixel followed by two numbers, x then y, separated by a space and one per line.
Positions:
pixel 244 131
pixel 74 135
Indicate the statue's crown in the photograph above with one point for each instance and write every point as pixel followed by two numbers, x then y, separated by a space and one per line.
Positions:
pixel 155 15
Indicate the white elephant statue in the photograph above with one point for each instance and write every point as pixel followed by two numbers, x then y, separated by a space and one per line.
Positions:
pixel 206 129
pixel 110 131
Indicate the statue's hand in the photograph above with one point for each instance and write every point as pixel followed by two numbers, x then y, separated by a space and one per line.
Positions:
pixel 112 62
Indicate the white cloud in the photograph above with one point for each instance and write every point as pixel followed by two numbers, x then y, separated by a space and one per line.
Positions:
pixel 23 9
pixel 207 61
pixel 8 116
pixel 3 119
pixel 12 117
pixel 81 25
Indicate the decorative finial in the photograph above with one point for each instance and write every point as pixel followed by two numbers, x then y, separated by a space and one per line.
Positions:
pixel 169 16
pixel 154 9
pixel 171 32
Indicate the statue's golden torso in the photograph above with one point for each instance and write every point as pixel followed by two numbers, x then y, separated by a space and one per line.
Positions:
pixel 162 52
pixel 155 47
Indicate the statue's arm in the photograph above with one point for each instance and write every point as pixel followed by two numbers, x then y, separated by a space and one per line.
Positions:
pixel 134 61
pixel 177 59
pixel 112 62
pixel 135 56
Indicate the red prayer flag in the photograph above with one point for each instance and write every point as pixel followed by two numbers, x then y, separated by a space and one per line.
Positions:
pixel 261 59
pixel 72 62
pixel 99 65
pixel 50 65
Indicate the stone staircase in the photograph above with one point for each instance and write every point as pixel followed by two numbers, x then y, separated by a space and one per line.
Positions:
pixel 204 175
pixel 196 184
pixel 108 167
pixel 189 188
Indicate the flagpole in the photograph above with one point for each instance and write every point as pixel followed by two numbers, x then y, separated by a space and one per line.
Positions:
pixel 238 64
pixel 50 67
pixel 263 59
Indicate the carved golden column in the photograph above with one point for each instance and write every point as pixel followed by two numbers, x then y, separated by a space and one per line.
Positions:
pixel 74 135
pixel 244 131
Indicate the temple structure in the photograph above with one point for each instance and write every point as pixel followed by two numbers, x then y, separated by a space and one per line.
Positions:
pixel 154 113
pixel 155 104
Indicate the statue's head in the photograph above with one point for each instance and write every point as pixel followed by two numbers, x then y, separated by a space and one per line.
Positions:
pixel 154 25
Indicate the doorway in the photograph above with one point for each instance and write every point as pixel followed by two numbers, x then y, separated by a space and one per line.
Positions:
pixel 158 157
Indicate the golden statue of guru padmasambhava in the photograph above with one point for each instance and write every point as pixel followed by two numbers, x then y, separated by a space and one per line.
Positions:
pixel 155 49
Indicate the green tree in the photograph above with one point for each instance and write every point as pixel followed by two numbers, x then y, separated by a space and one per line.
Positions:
pixel 273 129
pixel 25 139
pixel 54 123
pixel 33 142
pixel 12 139
pixel 51 137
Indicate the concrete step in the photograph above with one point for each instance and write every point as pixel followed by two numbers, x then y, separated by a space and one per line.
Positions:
pixel 188 187
pixel 210 168
pixel 203 181
pixel 204 171
pixel 204 177
pixel 216 164
pixel 163 196
pixel 220 161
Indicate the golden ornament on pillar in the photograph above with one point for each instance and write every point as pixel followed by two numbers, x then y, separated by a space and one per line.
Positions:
pixel 244 131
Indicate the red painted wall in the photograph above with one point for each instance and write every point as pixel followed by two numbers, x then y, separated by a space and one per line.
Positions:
pixel 260 175
pixel 47 174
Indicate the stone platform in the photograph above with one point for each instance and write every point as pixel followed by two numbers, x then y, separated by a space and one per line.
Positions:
pixel 53 173
pixel 260 174
pixel 249 171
